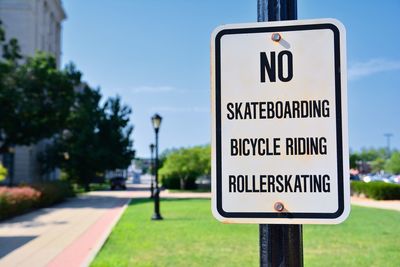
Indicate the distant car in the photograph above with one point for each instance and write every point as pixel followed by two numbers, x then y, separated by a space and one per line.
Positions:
pixel 395 179
pixel 369 178
pixel 381 177
pixel 354 177
pixel 118 183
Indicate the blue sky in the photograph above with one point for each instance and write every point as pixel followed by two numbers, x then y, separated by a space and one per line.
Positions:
pixel 156 56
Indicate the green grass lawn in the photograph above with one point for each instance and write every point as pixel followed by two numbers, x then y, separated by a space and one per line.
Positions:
pixel 190 236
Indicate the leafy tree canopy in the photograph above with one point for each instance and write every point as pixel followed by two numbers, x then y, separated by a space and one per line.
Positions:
pixel 97 138
pixel 186 164
pixel 35 97
pixel 393 164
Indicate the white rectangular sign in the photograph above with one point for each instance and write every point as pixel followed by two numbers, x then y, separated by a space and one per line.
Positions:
pixel 279 114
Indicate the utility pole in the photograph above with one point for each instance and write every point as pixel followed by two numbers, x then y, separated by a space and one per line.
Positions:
pixel 280 245
pixel 388 136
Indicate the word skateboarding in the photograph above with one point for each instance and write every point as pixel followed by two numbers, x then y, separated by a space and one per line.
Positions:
pixel 278 110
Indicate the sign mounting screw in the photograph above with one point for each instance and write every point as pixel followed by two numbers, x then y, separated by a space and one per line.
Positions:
pixel 276 37
pixel 278 206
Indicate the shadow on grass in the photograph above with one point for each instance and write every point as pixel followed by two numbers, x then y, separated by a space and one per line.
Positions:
pixel 176 216
pixel 139 201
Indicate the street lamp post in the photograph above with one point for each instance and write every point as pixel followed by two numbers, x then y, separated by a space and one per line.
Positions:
pixel 151 171
pixel 156 121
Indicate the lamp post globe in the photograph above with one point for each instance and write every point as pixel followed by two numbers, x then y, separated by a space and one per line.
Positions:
pixel 156 121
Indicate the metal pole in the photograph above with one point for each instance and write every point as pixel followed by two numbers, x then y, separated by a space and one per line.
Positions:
pixel 280 244
pixel 156 215
pixel 388 136
pixel 151 171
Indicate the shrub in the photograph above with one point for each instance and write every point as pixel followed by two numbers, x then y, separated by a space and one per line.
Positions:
pixel 18 200
pixel 53 192
pixel 174 182
pixel 376 190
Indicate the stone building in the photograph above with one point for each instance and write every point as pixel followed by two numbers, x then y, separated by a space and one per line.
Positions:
pixel 37 25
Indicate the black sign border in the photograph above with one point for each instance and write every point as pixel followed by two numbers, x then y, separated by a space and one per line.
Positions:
pixel 339 137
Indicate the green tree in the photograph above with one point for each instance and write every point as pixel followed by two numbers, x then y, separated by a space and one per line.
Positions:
pixel 374 158
pixel 378 164
pixel 35 97
pixel 354 159
pixel 393 164
pixel 372 154
pixel 97 138
pixel 182 167
pixel 35 100
pixel 114 133
pixel 77 149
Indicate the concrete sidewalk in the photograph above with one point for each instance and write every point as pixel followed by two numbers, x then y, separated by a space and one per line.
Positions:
pixel 68 234
pixel 380 204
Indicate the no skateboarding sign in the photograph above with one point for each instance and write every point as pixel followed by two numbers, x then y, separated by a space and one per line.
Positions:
pixel 279 111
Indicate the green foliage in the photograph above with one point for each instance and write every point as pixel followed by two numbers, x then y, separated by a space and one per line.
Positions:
pixel 354 158
pixel 376 190
pixel 97 139
pixel 3 172
pixel 53 192
pixel 183 166
pixel 376 158
pixel 393 164
pixel 78 189
pixel 38 101
pixel 114 135
pixel 12 51
pixel 35 99
pixel 372 154
pixel 377 164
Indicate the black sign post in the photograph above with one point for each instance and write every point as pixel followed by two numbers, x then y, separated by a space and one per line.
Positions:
pixel 280 244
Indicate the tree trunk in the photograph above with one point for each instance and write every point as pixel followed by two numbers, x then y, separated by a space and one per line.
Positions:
pixel 183 183
pixel 86 187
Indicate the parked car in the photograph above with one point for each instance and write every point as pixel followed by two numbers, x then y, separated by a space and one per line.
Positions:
pixel 118 183
pixel 395 179
pixel 368 178
pixel 354 177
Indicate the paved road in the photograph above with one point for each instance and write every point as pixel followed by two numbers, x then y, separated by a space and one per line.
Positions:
pixel 70 234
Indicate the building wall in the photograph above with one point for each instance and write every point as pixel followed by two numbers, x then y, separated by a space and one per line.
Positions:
pixel 36 24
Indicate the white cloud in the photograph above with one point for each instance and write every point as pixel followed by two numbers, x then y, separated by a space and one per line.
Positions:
pixel 372 66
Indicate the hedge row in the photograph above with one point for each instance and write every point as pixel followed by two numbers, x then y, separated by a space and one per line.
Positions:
pixel 376 190
pixel 18 200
